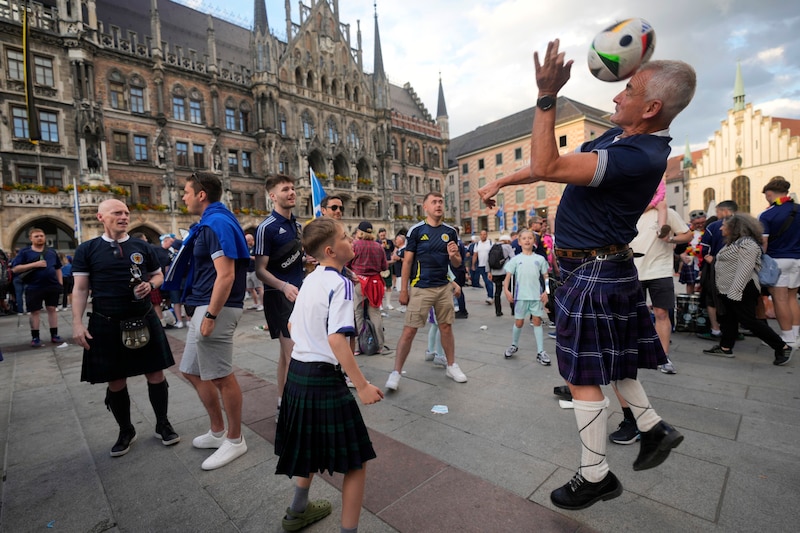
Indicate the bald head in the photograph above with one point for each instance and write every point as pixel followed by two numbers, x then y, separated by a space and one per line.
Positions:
pixel 114 215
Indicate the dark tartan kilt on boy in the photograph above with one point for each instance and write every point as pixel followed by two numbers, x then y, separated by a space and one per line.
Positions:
pixel 604 329
pixel 320 426
pixel 109 359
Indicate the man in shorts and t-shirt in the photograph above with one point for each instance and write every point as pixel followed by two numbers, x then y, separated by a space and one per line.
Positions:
pixel 431 247
pixel 279 265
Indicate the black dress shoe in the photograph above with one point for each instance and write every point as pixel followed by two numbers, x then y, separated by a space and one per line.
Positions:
pixel 123 445
pixel 656 445
pixel 462 314
pixel 580 494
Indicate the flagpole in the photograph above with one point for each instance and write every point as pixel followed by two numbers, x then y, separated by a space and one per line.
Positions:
pixel 76 206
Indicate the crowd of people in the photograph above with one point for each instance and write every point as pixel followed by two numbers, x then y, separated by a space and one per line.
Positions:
pixel 320 287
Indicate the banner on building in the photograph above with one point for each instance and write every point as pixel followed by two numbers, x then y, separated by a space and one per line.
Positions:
pixel 34 132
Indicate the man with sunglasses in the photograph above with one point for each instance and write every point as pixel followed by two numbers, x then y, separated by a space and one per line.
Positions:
pixel 121 272
pixel 280 266
pixel 332 206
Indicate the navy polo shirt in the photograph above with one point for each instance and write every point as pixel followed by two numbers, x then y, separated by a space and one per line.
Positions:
pixel 207 248
pixel 431 260
pixel 787 244
pixel 39 279
pixel 274 233
pixel 606 211
pixel 110 273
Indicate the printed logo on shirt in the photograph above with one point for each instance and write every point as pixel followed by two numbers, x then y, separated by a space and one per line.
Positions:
pixel 424 237
pixel 282 231
pixel 445 237
pixel 137 258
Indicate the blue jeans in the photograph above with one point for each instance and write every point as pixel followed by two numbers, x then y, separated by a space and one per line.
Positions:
pixel 481 272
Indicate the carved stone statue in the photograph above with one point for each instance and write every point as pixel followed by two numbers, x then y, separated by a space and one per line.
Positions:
pixel 93 161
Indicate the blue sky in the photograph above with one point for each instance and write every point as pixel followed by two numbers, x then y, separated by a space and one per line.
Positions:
pixel 484 49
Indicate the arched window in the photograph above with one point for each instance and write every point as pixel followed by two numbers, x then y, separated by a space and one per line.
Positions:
pixel 116 91
pixel 347 91
pixel 298 77
pixel 310 80
pixel 332 131
pixel 244 116
pixel 308 125
pixel 195 106
pixel 282 124
pixel 283 163
pixel 709 195
pixel 137 93
pixel 231 122
pixel 740 193
pixel 353 137
pixel 324 86
pixel 394 148
pixel 355 94
pixel 178 102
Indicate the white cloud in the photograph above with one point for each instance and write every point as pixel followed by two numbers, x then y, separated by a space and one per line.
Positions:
pixel 771 55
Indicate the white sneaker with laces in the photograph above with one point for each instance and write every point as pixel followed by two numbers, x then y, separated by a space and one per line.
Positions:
pixel 429 355
pixel 402 309
pixel 439 360
pixel 225 454
pixel 208 440
pixel 511 350
pixel 178 324
pixel 394 380
pixel 259 307
pixel 390 307
pixel 543 358
pixel 668 368
pixel 455 373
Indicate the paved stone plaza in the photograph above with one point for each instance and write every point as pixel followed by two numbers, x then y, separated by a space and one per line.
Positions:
pixel 488 465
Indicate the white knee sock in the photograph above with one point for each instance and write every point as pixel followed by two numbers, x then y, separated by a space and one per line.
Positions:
pixel 592 418
pixel 633 393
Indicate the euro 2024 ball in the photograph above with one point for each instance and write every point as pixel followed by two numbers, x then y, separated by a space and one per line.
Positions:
pixel 619 50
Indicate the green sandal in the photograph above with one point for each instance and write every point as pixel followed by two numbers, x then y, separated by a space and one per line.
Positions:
pixel 316 510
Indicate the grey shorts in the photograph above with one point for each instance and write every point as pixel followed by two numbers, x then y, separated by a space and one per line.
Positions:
pixel 210 357
pixel 253 282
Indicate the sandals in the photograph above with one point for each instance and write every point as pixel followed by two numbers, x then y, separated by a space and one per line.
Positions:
pixel 316 510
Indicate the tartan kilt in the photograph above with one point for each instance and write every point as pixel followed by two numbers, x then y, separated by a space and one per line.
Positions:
pixel 689 275
pixel 320 426
pixel 604 329
pixel 108 358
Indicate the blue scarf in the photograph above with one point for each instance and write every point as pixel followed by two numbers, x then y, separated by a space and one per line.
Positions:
pixel 230 235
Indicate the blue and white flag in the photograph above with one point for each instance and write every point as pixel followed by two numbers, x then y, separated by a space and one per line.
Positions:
pixel 502 215
pixel 532 213
pixel 76 209
pixel 317 193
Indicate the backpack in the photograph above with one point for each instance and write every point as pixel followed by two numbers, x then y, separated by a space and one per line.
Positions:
pixel 497 258
pixel 769 273
pixel 367 338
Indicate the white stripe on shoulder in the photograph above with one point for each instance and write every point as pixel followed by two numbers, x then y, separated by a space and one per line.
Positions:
pixel 415 226
pixel 600 170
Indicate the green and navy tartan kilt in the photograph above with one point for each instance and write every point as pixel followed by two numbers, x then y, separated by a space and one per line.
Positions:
pixel 604 331
pixel 689 275
pixel 320 426
pixel 108 359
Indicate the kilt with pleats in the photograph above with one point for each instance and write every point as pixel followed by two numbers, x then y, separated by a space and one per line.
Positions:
pixel 604 331
pixel 320 427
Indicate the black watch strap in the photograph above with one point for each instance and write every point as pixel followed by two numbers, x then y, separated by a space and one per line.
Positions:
pixel 210 316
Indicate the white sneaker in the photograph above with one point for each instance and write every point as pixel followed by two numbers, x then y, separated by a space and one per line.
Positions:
pixel 208 440
pixel 259 307
pixel 454 372
pixel 429 355
pixel 390 307
pixel 489 301
pixel 439 360
pixel 511 350
pixel 178 324
pixel 251 308
pixel 543 358
pixel 402 308
pixel 384 313
pixel 226 453
pixel 394 380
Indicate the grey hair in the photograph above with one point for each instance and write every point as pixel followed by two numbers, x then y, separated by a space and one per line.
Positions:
pixel 742 225
pixel 672 82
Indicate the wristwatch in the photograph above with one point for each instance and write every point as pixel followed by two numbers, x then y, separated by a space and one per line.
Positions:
pixel 546 102
pixel 152 287
pixel 210 316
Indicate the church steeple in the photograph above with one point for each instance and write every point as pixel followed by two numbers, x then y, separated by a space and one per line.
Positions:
pixel 441 112
pixel 380 83
pixel 738 90
pixel 687 156
pixel 260 22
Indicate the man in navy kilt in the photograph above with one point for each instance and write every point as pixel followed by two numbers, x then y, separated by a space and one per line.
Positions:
pixel 604 330
pixel 121 272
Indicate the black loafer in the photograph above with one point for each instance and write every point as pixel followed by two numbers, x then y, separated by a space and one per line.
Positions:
pixel 656 445
pixel 580 494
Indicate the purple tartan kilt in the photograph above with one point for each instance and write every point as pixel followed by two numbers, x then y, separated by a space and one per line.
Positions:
pixel 688 274
pixel 604 329
pixel 320 427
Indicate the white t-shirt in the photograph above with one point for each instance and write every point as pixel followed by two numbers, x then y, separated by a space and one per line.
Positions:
pixel 482 251
pixel 324 306
pixel 657 261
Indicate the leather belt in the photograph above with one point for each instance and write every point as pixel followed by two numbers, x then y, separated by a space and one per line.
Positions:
pixel 595 252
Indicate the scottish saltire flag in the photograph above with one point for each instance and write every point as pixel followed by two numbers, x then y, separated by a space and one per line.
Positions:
pixel 317 193
pixel 514 221
pixel 502 215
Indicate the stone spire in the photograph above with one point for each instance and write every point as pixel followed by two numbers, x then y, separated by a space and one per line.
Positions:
pixel 381 84
pixel 260 22
pixel 687 156
pixel 738 90
pixel 441 112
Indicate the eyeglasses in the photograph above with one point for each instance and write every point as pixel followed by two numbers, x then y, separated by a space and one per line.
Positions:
pixel 199 183
pixel 116 249
pixel 336 208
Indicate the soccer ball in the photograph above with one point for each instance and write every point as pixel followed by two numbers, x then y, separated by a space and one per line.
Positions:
pixel 619 50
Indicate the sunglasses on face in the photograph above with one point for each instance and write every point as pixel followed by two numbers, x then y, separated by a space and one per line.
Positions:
pixel 336 208
pixel 116 250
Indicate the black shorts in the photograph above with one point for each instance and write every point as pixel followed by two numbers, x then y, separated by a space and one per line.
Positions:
pixel 277 310
pixel 662 292
pixel 34 298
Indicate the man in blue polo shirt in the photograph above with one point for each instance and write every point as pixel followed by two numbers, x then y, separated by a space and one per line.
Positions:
pixel 41 269
pixel 431 247
pixel 279 265
pixel 605 333
pixel 214 257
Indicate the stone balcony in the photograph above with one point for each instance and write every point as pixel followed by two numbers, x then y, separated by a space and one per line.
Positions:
pixel 59 200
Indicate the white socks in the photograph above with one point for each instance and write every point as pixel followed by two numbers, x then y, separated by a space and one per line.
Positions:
pixel 592 418
pixel 633 393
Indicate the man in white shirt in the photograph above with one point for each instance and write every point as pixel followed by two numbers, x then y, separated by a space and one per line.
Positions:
pixel 480 264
